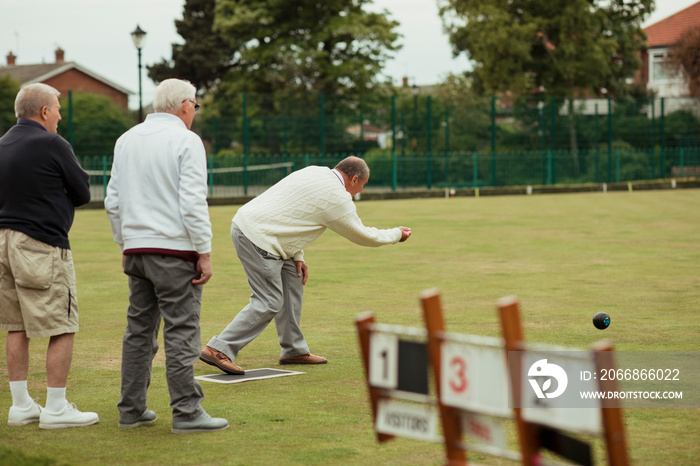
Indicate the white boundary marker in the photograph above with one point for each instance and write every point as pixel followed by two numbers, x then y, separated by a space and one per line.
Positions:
pixel 248 376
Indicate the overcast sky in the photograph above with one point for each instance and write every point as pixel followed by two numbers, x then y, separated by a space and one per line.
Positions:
pixel 96 35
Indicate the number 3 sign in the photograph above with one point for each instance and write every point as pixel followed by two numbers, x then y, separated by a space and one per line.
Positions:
pixel 474 378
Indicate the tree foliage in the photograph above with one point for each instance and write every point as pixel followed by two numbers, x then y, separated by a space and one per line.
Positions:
pixel 279 46
pixel 304 45
pixel 685 59
pixel 204 56
pixel 555 46
pixel 8 91
pixel 92 123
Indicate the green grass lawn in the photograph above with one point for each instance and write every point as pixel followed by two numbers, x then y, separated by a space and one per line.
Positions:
pixel 634 255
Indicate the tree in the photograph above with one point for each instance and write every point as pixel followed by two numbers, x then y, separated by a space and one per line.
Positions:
pixel 469 112
pixel 292 46
pixel 8 91
pixel 561 47
pixel 205 55
pixel 279 46
pixel 92 123
pixel 684 59
pixel 304 45
pixel 556 46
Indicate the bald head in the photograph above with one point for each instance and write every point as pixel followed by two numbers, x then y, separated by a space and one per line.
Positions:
pixel 354 166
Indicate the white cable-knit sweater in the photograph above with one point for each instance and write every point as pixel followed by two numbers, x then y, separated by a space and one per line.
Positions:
pixel 293 213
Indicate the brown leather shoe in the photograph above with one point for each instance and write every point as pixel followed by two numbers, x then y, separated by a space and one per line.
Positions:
pixel 217 358
pixel 307 358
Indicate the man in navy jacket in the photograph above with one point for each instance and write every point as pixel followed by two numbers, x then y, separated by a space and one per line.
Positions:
pixel 41 183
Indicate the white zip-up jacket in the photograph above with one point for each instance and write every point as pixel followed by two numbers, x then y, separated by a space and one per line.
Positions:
pixel 157 193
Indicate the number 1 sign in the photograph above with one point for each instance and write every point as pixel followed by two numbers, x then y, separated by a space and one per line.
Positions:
pixel 398 364
pixel 383 360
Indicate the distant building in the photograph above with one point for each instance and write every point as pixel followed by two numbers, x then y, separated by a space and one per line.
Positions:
pixel 65 76
pixel 370 132
pixel 660 37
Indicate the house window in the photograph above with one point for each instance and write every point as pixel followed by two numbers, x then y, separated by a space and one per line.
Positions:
pixel 659 67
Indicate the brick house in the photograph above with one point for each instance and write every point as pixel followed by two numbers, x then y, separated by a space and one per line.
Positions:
pixel 66 76
pixel 660 37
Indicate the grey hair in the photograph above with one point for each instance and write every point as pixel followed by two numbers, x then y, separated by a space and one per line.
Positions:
pixel 170 94
pixel 352 166
pixel 32 97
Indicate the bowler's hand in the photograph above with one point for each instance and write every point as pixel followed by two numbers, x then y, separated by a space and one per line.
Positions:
pixel 302 271
pixel 405 233
pixel 204 269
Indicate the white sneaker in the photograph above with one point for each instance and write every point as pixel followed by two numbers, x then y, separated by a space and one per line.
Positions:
pixel 69 416
pixel 24 416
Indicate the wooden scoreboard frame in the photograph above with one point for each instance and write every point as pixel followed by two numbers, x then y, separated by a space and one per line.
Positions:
pixel 532 437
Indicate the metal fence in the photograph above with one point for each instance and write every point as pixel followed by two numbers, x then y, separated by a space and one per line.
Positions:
pixel 257 172
pixel 424 141
pixel 413 124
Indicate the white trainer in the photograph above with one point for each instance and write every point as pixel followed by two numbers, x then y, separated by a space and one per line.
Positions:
pixel 69 416
pixel 24 416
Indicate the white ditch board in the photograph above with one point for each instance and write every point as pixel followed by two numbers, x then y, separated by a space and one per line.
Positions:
pixel 250 374
pixel 407 420
pixel 475 378
pixel 542 403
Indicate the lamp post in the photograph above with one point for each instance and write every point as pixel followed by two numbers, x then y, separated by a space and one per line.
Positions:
pixel 414 91
pixel 138 35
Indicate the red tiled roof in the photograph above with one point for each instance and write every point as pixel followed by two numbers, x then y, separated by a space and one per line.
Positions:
pixel 667 31
pixel 25 73
pixel 39 73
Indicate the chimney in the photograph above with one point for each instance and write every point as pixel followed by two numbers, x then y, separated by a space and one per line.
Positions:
pixel 11 59
pixel 59 55
pixel 405 81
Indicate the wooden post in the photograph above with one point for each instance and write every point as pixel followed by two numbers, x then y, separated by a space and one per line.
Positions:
pixel 611 412
pixel 512 330
pixel 450 417
pixel 363 323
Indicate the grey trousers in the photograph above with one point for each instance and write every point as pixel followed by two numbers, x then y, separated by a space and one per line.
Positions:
pixel 277 293
pixel 161 287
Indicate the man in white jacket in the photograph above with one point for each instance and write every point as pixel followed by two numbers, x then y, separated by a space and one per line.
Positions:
pixel 157 206
pixel 270 234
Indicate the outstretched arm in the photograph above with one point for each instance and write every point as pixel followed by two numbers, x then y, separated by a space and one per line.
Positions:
pixel 350 226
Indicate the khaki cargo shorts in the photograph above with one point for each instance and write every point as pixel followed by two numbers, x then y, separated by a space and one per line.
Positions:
pixel 37 287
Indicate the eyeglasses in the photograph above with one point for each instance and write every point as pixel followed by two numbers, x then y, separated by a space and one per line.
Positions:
pixel 196 105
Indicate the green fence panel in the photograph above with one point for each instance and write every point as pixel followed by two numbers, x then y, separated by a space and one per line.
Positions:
pixel 419 140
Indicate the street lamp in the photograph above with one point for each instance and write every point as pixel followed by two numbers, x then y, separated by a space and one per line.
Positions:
pixel 138 36
pixel 414 91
